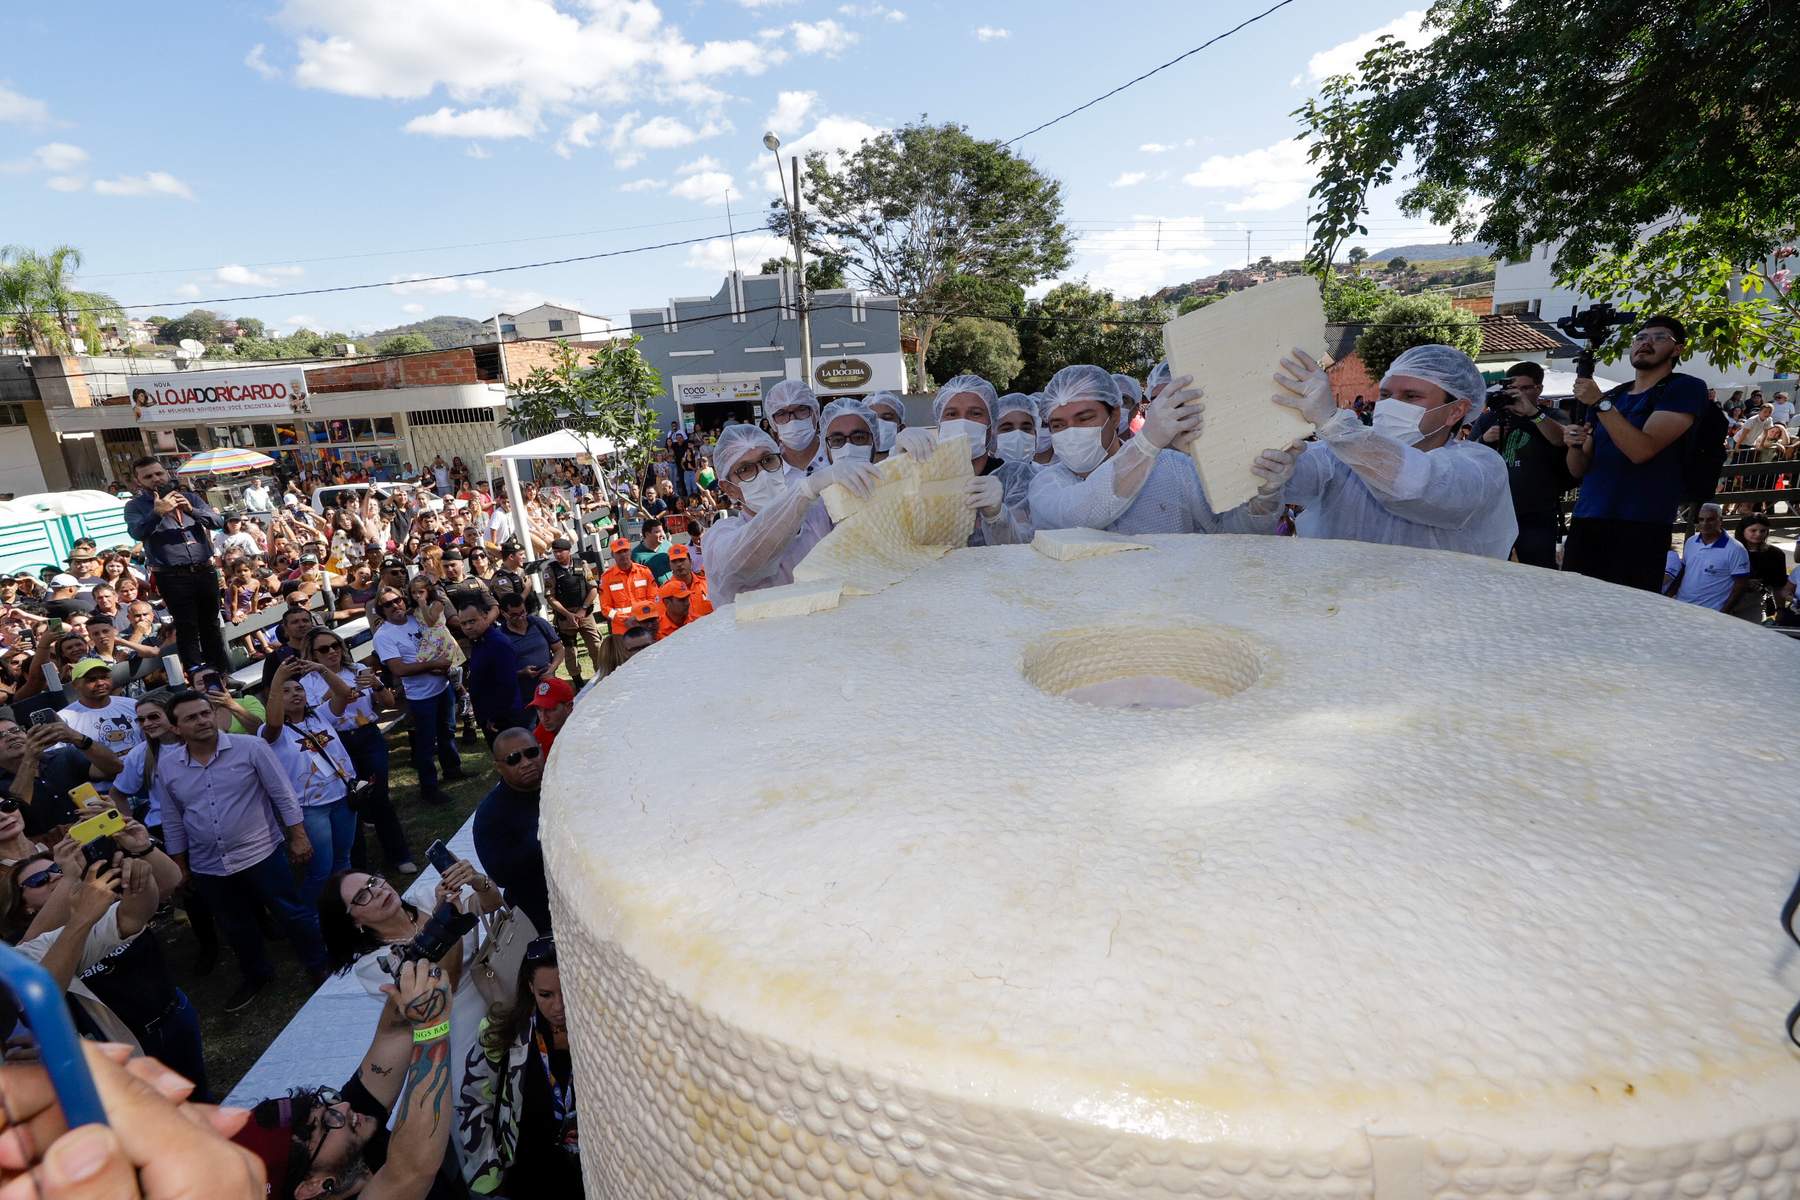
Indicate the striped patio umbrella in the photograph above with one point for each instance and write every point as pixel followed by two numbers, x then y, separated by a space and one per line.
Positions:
pixel 224 461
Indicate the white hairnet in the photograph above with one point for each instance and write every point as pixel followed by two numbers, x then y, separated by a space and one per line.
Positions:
pixel 1129 389
pixel 737 442
pixel 1445 366
pixel 1160 376
pixel 1016 402
pixel 1043 421
pixel 1080 382
pixel 959 385
pixel 852 406
pixel 889 398
pixel 788 393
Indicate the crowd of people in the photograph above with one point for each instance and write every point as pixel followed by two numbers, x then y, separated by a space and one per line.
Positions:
pixel 247 757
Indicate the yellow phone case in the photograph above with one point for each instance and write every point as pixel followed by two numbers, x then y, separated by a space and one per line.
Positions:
pixel 98 826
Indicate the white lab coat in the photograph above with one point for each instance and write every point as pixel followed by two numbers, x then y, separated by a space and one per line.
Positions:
pixel 745 553
pixel 1171 500
pixel 1013 526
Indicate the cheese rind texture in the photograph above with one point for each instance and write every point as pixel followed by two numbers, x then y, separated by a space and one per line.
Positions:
pixel 1067 544
pixel 914 516
pixel 788 600
pixel 1405 910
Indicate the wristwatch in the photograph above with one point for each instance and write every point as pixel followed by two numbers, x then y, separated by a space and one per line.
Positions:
pixel 1604 406
pixel 86 742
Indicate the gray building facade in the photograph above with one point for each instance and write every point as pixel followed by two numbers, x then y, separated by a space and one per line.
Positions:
pixel 719 355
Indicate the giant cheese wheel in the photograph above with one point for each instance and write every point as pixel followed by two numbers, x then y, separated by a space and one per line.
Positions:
pixel 1458 881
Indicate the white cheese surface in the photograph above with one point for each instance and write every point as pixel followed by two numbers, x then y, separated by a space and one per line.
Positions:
pixel 1453 877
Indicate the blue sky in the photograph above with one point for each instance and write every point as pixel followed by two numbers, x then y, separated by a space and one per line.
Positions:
pixel 289 144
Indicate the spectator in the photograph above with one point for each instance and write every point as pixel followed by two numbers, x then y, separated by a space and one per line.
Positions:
pixel 510 576
pixel 1768 570
pixel 84 565
pixel 235 537
pixel 534 640
pixel 1528 437
pixel 673 611
pixel 573 594
pixel 1629 461
pixel 426 685
pixel 231 819
pixel 98 714
pixel 1715 569
pixel 624 584
pixel 652 550
pixel 66 599
pixel 681 570
pixel 39 769
pixel 493 668
pixel 175 527
pixel 552 701
pixel 360 730
pixel 516 1114
pixel 296 623
pixel 506 826
pixel 257 498
pixel 1783 409
pixel 318 766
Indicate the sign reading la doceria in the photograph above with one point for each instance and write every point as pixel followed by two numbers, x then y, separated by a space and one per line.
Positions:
pixel 843 373
pixel 201 396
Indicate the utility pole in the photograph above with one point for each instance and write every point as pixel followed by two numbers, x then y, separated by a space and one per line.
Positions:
pixel 806 366
pixel 1246 249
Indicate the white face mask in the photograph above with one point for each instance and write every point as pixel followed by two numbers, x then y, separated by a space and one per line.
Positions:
pixel 1399 420
pixel 797 434
pixel 1080 447
pixel 884 434
pixel 1017 445
pixel 765 490
pixel 851 452
pixel 975 431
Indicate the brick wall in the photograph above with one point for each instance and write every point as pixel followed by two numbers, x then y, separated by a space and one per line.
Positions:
pixel 522 358
pixel 441 368
pixel 1350 379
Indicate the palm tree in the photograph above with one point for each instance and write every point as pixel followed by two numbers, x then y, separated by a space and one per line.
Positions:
pixel 41 307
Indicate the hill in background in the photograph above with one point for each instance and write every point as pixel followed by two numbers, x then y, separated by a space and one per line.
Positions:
pixel 445 333
pixel 1434 252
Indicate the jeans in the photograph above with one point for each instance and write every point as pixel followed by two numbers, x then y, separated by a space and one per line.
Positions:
pixel 174 1040
pixel 192 597
pixel 434 740
pixel 330 828
pixel 369 754
pixel 235 899
pixel 1536 544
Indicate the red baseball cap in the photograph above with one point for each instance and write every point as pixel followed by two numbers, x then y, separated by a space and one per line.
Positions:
pixel 551 692
pixel 618 544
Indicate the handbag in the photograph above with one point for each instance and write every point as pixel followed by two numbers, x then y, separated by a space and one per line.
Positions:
pixel 505 933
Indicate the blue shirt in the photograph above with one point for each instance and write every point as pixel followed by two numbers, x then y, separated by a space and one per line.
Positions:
pixel 492 677
pixel 535 646
pixel 181 539
pixel 506 842
pixel 1615 488
pixel 1709 570
pixel 228 813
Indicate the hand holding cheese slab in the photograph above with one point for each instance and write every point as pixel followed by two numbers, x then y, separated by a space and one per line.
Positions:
pixel 1231 349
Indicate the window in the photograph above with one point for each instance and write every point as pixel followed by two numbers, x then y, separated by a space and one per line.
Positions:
pixel 12 414
pixel 509 327
pixel 556 327
pixel 451 416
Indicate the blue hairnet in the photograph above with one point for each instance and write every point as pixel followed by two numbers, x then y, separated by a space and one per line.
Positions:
pixel 1445 366
pixel 959 385
pixel 1081 382
pixel 852 406
pixel 737 442
pixel 788 393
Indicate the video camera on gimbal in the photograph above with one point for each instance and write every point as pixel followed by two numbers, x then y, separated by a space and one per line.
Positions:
pixel 1593 325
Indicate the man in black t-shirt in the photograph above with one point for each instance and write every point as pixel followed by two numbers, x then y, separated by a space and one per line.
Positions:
pixel 1529 439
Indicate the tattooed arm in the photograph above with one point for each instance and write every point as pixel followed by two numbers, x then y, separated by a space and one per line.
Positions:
pixel 426 1113
pixel 383 1067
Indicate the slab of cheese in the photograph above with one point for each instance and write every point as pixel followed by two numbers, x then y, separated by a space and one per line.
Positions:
pixel 1364 920
pixel 1232 349
pixel 789 600
pixel 915 515
pixel 1065 545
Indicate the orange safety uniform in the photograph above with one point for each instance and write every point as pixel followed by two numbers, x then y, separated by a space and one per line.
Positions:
pixel 620 589
pixel 698 603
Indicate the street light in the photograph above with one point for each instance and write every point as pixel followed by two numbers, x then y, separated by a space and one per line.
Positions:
pixel 773 144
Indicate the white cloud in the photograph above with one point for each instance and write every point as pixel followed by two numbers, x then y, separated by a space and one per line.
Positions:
pixel 412 309
pixel 825 37
pixel 188 290
pixel 18 109
pixel 242 276
pixel 873 11
pixel 753 249
pixel 667 133
pixel 991 33
pixel 579 132
pixel 1166 147
pixel 261 65
pixel 1270 178
pixel 473 123
pixel 1130 179
pixel 756 4
pixel 59 157
pixel 791 110
pixel 1344 56
pixel 702 180
pixel 66 183
pixel 473 150
pixel 1147 253
pixel 643 185
pixel 154 183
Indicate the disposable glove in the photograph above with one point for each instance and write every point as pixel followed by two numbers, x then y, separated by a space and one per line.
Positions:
pixel 1175 417
pixel 915 441
pixel 858 478
pixel 1274 468
pixel 983 495
pixel 1305 388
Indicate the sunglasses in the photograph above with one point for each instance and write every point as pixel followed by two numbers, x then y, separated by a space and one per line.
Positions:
pixel 38 879
pixel 7 803
pixel 542 949
pixel 519 756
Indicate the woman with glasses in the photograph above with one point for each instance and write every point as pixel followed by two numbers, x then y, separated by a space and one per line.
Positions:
pixel 15 844
pixel 317 765
pixel 359 728
pixel 516 1124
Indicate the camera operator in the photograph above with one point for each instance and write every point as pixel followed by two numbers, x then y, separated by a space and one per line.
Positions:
pixel 176 527
pixel 1529 438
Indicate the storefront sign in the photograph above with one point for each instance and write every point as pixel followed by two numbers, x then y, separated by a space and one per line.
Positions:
pixel 843 374
pixel 198 397
pixel 742 390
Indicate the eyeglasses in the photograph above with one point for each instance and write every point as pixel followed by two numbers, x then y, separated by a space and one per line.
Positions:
pixel 366 892
pixel 1654 335
pixel 391 601
pixel 837 441
pixel 541 949
pixel 519 756
pixel 38 879
pixel 745 471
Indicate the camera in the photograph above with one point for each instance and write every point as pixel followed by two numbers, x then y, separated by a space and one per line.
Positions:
pixel 167 486
pixel 448 923
pixel 1500 398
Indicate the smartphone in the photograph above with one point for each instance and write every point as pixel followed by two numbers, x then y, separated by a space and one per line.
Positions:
pixel 84 794
pixel 56 625
pixel 437 854
pixel 44 716
pixel 100 825
pixel 29 997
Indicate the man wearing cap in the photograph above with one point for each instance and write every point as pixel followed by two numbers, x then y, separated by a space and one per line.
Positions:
pixel 65 599
pixel 624 584
pixel 236 537
pixel 572 594
pixel 510 576
pixel 84 565
pixel 110 720
pixel 175 526
pixel 681 569
pixel 641 625
pixel 676 611
pixel 553 701
pixel 1405 480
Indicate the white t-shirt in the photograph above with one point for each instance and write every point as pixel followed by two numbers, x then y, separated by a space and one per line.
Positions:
pixel 1784 412
pixel 241 540
pixel 257 498
pixel 318 694
pixel 114 726
pixel 315 760
pixel 402 642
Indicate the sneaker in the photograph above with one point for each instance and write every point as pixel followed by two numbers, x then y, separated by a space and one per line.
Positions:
pixel 409 867
pixel 245 995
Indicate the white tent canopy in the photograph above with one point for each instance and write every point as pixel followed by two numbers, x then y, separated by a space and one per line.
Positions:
pixel 564 443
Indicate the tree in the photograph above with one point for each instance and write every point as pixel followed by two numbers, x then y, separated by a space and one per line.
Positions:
pixel 40 306
pixel 1189 304
pixel 976 346
pixel 302 343
pixel 1357 256
pixel 1408 321
pixel 405 343
pixel 1350 298
pixel 1584 124
pixel 1075 323
pixel 1397 265
pixel 921 211
pixel 606 395
pixel 822 274
pixel 252 327
pixel 201 324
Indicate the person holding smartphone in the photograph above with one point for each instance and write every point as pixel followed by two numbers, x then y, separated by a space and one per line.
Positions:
pixel 176 527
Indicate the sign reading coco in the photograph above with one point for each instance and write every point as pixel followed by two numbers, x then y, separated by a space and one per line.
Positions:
pixel 743 390
pixel 843 374
pixel 180 396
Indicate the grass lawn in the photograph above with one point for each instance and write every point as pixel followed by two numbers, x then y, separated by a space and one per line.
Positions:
pixel 235 1041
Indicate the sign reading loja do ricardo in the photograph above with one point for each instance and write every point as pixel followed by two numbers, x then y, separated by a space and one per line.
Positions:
pixel 202 396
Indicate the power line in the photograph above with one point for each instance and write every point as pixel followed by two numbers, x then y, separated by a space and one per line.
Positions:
pixel 1152 71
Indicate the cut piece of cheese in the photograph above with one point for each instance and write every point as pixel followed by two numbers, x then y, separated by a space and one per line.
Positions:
pixel 1233 349
pixel 1067 544
pixel 916 514
pixel 790 600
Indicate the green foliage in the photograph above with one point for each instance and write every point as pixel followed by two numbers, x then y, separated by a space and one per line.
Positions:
pixel 252 327
pixel 1350 298
pixel 444 333
pixel 822 274
pixel 977 346
pixel 1357 256
pixel 201 324
pixel 302 343
pixel 1190 303
pixel 405 343
pixel 1075 323
pixel 607 394
pixel 40 306
pixel 1581 123
pixel 917 212
pixel 1408 321
pixel 1396 264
